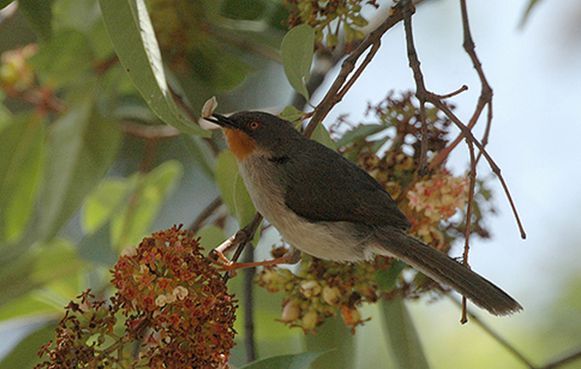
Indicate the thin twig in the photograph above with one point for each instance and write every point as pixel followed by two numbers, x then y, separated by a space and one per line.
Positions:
pixel 149 132
pixel 205 214
pixel 241 239
pixel 494 167
pixel 248 307
pixel 436 100
pixel 561 360
pixel 486 93
pixel 324 62
pixel 332 96
pixel 467 231
pixel 497 337
pixel 414 64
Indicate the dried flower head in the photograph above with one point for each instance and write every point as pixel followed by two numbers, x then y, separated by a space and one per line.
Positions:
pixel 16 72
pixel 174 305
pixel 182 296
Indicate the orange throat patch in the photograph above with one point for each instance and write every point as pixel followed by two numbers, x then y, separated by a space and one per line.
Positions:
pixel 240 143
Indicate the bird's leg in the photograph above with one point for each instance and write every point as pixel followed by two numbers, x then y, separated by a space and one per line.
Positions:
pixel 293 256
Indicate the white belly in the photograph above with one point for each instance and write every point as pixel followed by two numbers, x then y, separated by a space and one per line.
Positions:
pixel 324 240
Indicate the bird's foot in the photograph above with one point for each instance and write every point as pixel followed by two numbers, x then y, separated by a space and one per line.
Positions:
pixel 291 257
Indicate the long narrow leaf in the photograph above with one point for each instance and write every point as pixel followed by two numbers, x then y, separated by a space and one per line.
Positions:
pixel 39 15
pixel 133 38
pixel 21 155
pixel 333 336
pixel 403 341
pixel 298 361
pixel 81 147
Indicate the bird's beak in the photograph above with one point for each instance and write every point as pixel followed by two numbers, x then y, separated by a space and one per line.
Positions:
pixel 222 121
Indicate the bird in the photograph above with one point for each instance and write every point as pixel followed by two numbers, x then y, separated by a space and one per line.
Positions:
pixel 326 206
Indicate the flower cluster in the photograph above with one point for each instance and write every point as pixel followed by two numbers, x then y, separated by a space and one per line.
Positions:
pixel 434 199
pixel 16 73
pixel 391 154
pixel 87 326
pixel 174 306
pixel 322 288
pixel 328 17
pixel 19 81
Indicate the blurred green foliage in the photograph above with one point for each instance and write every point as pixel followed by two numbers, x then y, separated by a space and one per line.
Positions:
pixel 88 166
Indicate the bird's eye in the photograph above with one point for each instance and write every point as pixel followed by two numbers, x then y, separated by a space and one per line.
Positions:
pixel 254 125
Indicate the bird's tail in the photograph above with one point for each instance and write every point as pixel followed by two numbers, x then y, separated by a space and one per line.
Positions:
pixel 443 269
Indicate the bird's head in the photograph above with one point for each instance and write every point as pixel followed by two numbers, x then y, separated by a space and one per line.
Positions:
pixel 249 132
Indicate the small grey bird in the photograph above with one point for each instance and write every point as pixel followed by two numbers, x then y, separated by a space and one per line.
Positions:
pixel 327 207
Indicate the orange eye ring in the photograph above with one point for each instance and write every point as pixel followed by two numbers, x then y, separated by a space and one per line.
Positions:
pixel 254 125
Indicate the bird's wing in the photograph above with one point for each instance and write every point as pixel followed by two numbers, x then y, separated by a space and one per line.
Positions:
pixel 324 186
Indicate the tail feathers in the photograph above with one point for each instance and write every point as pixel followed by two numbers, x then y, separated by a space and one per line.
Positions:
pixel 443 269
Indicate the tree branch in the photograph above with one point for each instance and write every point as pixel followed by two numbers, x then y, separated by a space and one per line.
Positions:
pixel 248 306
pixel 424 94
pixel 205 214
pixel 337 90
pixel 497 337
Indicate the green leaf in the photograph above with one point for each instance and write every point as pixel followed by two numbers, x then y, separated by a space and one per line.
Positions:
pixel 81 15
pixel 5 3
pixel 134 41
pixel 403 341
pixel 105 201
pixel 27 306
pixel 359 132
pixel 23 355
pixel 135 219
pixel 244 9
pixel 214 70
pixel 387 278
pixel 336 339
pixel 39 15
pixel 291 114
pixel 82 146
pixel 64 59
pixel 21 155
pixel 297 51
pixel 232 188
pixel 321 135
pixel 36 268
pixel 298 361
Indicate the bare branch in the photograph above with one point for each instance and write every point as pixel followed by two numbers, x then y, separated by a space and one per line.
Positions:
pixel 332 97
pixel 497 337
pixel 248 306
pixel 149 132
pixel 240 239
pixel 467 231
pixel 205 214
pixel 436 100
